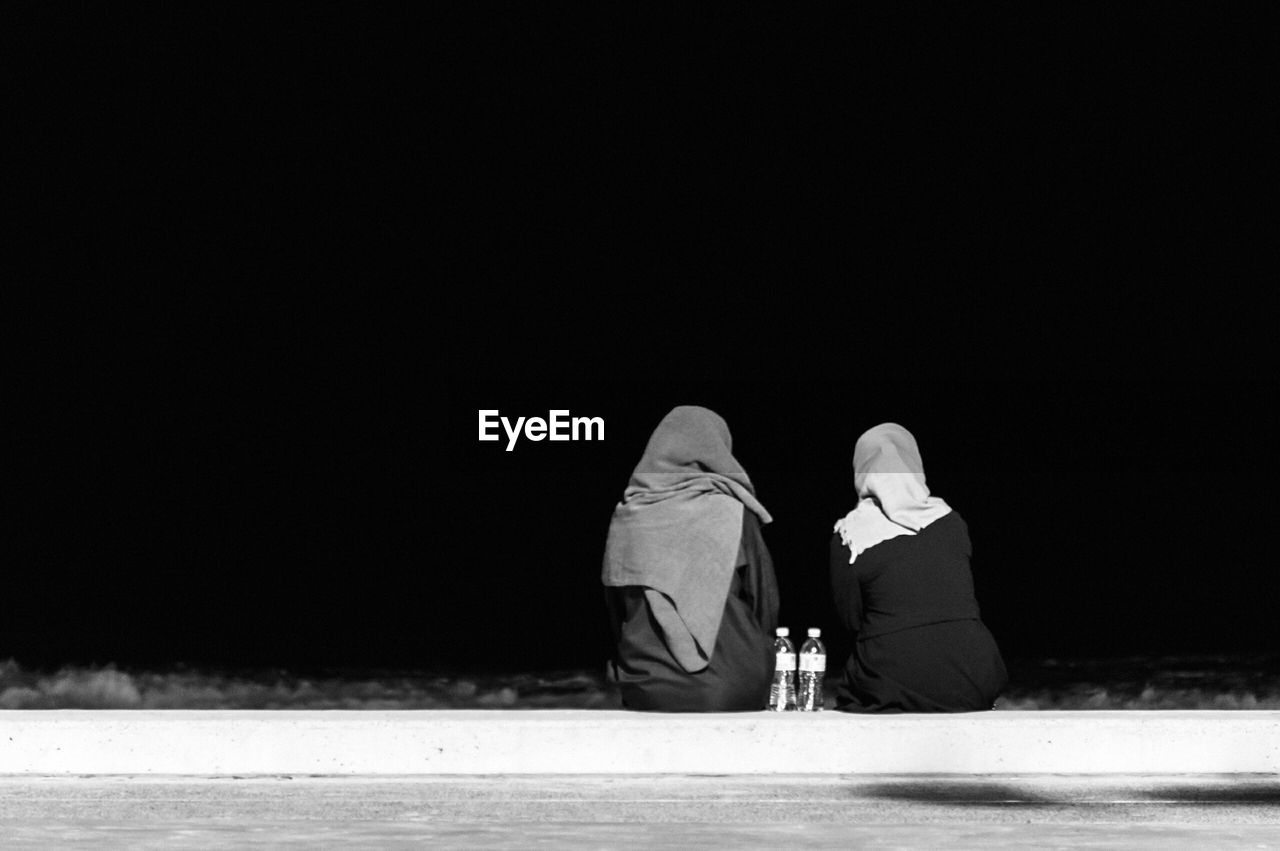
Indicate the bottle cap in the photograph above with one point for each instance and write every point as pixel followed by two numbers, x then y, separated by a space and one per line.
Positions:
pixel 783 631
pixel 814 632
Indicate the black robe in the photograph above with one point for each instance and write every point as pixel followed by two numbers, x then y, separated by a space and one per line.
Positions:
pixel 740 670
pixel 920 645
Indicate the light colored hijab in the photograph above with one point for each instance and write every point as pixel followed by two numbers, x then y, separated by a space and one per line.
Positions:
pixel 892 497
pixel 678 529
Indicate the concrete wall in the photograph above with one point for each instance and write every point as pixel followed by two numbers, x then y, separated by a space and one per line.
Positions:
pixel 179 742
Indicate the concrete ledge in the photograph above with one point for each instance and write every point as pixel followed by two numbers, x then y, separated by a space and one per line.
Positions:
pixel 177 742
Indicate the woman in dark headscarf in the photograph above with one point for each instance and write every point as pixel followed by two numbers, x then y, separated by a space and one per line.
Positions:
pixel 692 595
pixel 902 584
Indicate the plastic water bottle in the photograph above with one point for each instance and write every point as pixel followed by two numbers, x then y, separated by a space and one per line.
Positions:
pixel 782 695
pixel 813 667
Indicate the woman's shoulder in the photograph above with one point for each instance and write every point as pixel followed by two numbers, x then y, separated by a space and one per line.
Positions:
pixel 948 533
pixel 952 521
pixel 751 541
pixel 948 525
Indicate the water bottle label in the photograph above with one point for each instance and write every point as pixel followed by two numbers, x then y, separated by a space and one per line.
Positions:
pixel 813 662
pixel 786 661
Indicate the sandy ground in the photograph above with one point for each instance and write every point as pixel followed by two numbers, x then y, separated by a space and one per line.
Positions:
pixel 501 812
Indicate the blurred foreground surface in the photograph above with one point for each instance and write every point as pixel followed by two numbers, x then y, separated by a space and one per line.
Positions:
pixel 1242 681
pixel 507 812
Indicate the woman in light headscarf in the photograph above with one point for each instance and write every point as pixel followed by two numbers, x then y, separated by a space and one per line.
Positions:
pixel 902 584
pixel 692 595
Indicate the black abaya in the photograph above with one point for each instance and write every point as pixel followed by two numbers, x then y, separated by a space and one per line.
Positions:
pixel 920 644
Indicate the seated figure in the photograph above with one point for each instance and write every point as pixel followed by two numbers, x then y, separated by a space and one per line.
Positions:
pixel 903 587
pixel 692 597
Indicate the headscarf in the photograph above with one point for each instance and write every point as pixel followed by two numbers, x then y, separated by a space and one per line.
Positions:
pixel 893 498
pixel 678 529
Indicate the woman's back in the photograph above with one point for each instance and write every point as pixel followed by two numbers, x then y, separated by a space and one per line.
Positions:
pixel 907 581
pixel 738 672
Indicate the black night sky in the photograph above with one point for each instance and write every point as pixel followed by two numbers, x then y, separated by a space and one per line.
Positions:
pixel 1030 237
